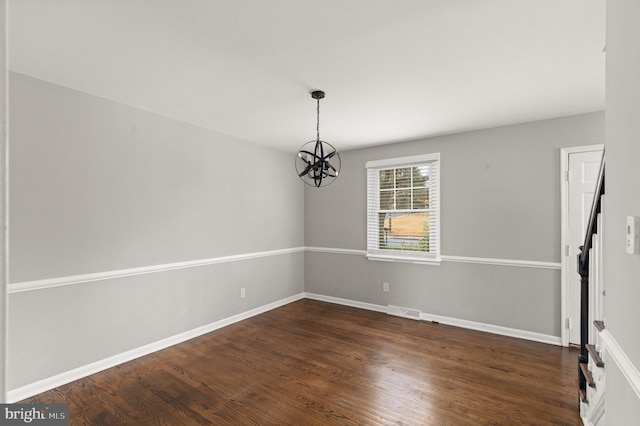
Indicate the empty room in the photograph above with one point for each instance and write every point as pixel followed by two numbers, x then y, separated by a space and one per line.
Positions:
pixel 303 212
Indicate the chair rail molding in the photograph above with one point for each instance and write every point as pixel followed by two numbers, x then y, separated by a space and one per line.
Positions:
pixel 457 259
pixel 615 352
pixel 121 273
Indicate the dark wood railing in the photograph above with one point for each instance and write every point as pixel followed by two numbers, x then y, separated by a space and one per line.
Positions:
pixel 583 270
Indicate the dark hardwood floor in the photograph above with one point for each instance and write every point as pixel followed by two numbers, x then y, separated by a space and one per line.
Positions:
pixel 314 363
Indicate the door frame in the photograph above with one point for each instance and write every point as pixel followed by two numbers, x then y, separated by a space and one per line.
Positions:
pixel 564 217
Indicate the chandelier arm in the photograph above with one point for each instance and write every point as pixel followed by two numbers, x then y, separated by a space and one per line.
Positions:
pixel 307 170
pixel 320 147
pixel 311 154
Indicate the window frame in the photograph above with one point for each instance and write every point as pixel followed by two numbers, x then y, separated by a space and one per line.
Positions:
pixel 374 252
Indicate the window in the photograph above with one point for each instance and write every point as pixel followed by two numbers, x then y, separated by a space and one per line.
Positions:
pixel 403 209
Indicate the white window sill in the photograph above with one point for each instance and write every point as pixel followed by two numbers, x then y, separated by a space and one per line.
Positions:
pixel 404 259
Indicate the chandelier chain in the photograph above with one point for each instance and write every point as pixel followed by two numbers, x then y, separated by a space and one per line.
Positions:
pixel 318 121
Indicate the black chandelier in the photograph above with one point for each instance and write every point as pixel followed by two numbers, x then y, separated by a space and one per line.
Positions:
pixel 318 162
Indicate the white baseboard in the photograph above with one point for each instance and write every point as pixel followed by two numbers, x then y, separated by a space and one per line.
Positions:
pixel 494 329
pixel 346 302
pixel 472 325
pixel 44 385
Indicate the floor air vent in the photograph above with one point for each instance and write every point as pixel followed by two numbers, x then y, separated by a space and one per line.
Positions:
pixel 399 311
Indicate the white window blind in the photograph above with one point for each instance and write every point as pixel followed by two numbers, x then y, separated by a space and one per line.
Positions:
pixel 403 209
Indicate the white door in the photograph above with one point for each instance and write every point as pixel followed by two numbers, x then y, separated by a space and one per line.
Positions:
pixel 582 179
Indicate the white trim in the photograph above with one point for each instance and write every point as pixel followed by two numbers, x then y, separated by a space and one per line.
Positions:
pixel 493 329
pixel 445 258
pixel 598 410
pixel 402 259
pixel 592 413
pixel 400 161
pixel 373 208
pixel 503 262
pixel 95 367
pixel 44 385
pixel 615 352
pixel 346 302
pixel 122 273
pixel 336 251
pixel 472 325
pixel 564 217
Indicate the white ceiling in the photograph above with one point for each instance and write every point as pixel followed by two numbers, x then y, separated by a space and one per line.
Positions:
pixel 393 70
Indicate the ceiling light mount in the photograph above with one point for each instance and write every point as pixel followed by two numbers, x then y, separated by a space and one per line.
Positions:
pixel 317 94
pixel 318 162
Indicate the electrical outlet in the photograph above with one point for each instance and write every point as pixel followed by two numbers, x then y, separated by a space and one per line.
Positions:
pixel 385 287
pixel 243 293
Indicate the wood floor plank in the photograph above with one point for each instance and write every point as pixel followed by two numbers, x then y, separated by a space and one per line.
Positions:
pixel 315 363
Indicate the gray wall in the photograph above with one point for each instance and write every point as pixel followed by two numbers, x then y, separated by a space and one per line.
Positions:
pixel 622 271
pixel 97 186
pixel 3 198
pixel 500 199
